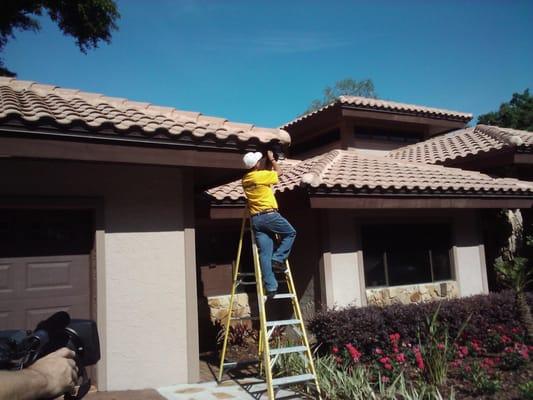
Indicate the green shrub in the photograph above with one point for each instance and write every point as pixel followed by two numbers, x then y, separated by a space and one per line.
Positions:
pixel 526 390
pixel 481 381
pixel 511 361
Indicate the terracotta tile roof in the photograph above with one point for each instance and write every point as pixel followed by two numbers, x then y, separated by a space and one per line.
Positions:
pixel 463 143
pixel 347 171
pixel 365 103
pixel 44 105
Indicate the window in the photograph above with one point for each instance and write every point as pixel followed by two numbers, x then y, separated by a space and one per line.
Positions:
pixel 386 135
pixel 406 254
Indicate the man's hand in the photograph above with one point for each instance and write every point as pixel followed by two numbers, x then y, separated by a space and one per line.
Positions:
pixel 48 377
pixel 275 165
pixel 58 370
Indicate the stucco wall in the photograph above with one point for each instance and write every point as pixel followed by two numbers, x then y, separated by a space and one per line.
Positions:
pixel 341 264
pixel 142 287
pixel 469 254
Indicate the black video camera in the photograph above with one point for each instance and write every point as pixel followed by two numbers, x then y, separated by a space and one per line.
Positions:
pixel 19 348
pixel 277 149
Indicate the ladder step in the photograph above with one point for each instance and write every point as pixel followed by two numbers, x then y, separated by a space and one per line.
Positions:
pixel 245 318
pixel 246 273
pixel 292 379
pixel 286 350
pixel 283 322
pixel 238 364
pixel 283 296
pixel 246 283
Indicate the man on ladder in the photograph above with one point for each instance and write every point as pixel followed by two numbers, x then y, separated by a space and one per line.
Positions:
pixel 266 221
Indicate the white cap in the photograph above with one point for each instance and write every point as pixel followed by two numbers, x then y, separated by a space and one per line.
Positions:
pixel 251 158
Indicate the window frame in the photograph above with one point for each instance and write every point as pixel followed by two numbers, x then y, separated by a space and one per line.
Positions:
pixel 385 253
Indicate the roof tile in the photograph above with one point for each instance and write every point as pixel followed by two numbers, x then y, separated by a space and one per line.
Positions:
pixel 463 143
pixel 350 171
pixel 41 105
pixel 378 104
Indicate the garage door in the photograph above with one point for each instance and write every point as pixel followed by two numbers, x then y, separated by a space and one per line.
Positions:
pixel 44 265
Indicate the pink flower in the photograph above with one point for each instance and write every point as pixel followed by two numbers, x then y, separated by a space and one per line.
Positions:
pixel 335 349
pixel 354 353
pixel 440 346
pixel 388 367
pixel 476 345
pixel 505 339
pixel 400 358
pixel 378 350
pixel 385 379
pixel 419 359
pixel 384 360
pixel 488 363
pixel 394 337
pixel 463 351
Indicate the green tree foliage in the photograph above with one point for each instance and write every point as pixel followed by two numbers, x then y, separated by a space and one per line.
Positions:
pixel 517 113
pixel 344 87
pixel 87 21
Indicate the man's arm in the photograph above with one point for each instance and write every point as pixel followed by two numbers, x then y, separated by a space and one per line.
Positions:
pixel 274 163
pixel 48 377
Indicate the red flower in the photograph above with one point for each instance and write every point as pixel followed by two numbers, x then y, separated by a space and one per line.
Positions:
pixel 419 359
pixel 400 358
pixel 440 346
pixel 388 367
pixel 335 349
pixel 476 345
pixel 394 337
pixel 385 379
pixel 463 351
pixel 384 360
pixel 354 353
pixel 488 363
pixel 505 339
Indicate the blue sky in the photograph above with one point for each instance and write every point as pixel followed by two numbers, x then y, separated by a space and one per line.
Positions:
pixel 263 62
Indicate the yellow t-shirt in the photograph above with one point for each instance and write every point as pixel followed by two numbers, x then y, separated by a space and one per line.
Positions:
pixel 257 186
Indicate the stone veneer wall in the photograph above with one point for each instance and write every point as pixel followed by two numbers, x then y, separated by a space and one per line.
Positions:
pixel 219 305
pixel 412 293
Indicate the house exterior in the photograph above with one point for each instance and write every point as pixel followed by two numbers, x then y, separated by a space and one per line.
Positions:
pixel 388 200
pixel 98 218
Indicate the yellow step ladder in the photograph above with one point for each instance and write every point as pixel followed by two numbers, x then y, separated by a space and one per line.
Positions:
pixel 268 355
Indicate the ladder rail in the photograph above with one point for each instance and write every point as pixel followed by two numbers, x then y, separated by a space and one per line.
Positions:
pixel 232 299
pixel 297 309
pixel 264 346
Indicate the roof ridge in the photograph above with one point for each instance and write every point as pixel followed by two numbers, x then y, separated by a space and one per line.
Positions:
pixel 317 171
pixel 497 133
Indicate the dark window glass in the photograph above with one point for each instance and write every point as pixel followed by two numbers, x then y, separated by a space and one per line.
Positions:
pixel 374 269
pixel 403 254
pixel 441 264
pixel 408 266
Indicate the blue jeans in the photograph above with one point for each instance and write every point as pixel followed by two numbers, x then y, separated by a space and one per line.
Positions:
pixel 266 226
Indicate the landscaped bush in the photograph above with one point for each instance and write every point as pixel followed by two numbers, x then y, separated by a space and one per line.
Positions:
pixel 368 328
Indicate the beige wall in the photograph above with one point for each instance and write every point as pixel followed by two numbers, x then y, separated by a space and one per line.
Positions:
pixel 341 267
pixel 469 255
pixel 146 302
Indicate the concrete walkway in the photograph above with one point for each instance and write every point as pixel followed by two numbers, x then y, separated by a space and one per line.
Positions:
pixel 248 389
